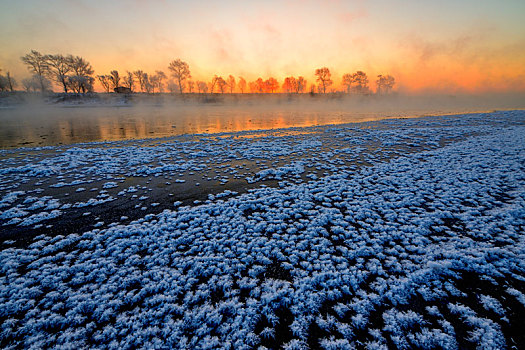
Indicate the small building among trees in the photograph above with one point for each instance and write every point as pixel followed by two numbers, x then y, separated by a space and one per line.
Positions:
pixel 122 90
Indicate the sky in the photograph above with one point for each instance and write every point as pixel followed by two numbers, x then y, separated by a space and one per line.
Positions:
pixel 428 46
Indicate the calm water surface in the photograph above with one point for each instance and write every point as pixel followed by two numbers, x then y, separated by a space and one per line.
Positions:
pixel 25 126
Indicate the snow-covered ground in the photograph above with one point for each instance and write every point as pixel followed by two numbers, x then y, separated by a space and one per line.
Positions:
pixel 398 233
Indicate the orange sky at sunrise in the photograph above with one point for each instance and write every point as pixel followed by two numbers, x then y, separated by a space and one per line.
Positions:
pixel 447 46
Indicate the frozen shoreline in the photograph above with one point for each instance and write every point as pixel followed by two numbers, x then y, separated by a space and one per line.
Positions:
pixel 68 189
pixel 393 233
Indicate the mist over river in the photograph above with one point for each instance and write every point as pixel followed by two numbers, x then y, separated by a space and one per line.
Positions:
pixel 35 122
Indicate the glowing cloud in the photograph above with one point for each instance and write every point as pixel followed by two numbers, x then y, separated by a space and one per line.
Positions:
pixel 445 46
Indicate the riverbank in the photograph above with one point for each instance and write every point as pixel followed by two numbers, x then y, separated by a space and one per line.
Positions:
pixel 398 233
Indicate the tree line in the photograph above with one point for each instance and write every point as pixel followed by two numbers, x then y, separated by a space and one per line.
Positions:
pixel 75 74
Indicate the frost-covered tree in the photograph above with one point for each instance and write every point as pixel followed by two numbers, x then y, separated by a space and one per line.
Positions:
pixel 180 71
pixel 27 84
pixel 3 83
pixel 81 81
pixel 34 84
pixel 80 66
pixel 324 78
pixel 59 67
pixel 38 65
pixel 7 83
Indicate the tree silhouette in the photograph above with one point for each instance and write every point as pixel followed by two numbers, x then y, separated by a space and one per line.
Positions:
pixel 360 81
pixel 180 71
pixel 7 83
pixel 154 82
pixel 221 83
pixel 357 82
pixel 82 80
pixel 81 83
pixel 202 87
pixel 11 82
pixel 191 86
pixel 26 83
pixel 301 84
pixel 37 64
pixel 213 83
pixel 129 82
pixel 34 83
pixel 242 84
pixel 172 86
pixel 59 67
pixel 104 81
pixel 139 74
pixel 261 86
pixel 324 78
pixel 271 84
pixel 231 83
pixel 160 76
pixel 3 83
pixel 385 83
pixel 254 87
pixel 290 85
pixel 347 82
pixel 114 79
pixel 148 84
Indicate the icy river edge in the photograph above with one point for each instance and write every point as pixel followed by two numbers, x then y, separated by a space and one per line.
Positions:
pixel 397 233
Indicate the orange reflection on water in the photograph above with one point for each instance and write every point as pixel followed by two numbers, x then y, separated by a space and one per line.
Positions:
pixel 75 125
pixel 25 126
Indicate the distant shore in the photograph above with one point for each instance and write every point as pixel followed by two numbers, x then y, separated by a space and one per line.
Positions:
pixel 431 100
